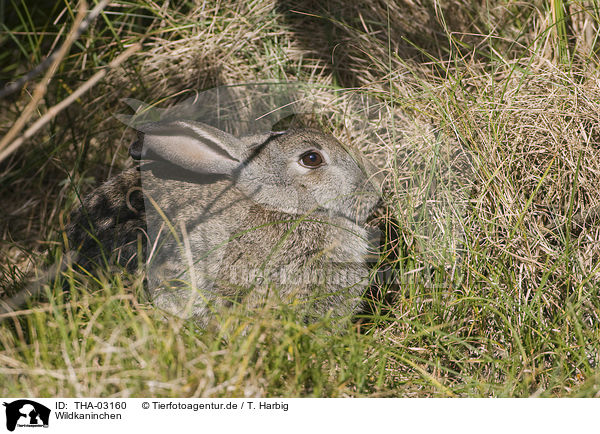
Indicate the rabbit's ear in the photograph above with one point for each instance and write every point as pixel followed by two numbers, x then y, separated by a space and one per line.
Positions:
pixel 191 145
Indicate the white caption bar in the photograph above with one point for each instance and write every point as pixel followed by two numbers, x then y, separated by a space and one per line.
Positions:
pixel 270 415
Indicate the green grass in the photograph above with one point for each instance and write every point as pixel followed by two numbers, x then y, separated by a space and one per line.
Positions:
pixel 491 151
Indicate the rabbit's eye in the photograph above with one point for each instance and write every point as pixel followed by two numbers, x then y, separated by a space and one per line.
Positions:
pixel 312 160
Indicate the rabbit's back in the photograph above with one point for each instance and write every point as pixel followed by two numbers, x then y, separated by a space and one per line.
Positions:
pixel 112 223
pixel 106 227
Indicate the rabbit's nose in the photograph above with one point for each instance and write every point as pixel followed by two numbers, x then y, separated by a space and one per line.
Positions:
pixel 373 184
pixel 378 180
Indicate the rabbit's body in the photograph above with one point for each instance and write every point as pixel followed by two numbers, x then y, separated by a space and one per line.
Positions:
pixel 106 227
pixel 247 226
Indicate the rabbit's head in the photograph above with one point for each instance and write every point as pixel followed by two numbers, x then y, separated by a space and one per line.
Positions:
pixel 298 171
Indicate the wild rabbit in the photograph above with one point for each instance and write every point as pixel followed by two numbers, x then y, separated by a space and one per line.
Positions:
pixel 235 221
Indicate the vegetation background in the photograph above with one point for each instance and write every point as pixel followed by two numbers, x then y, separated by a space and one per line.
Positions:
pixel 510 309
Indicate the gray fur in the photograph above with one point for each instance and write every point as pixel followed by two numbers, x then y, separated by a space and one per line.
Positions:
pixel 235 221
